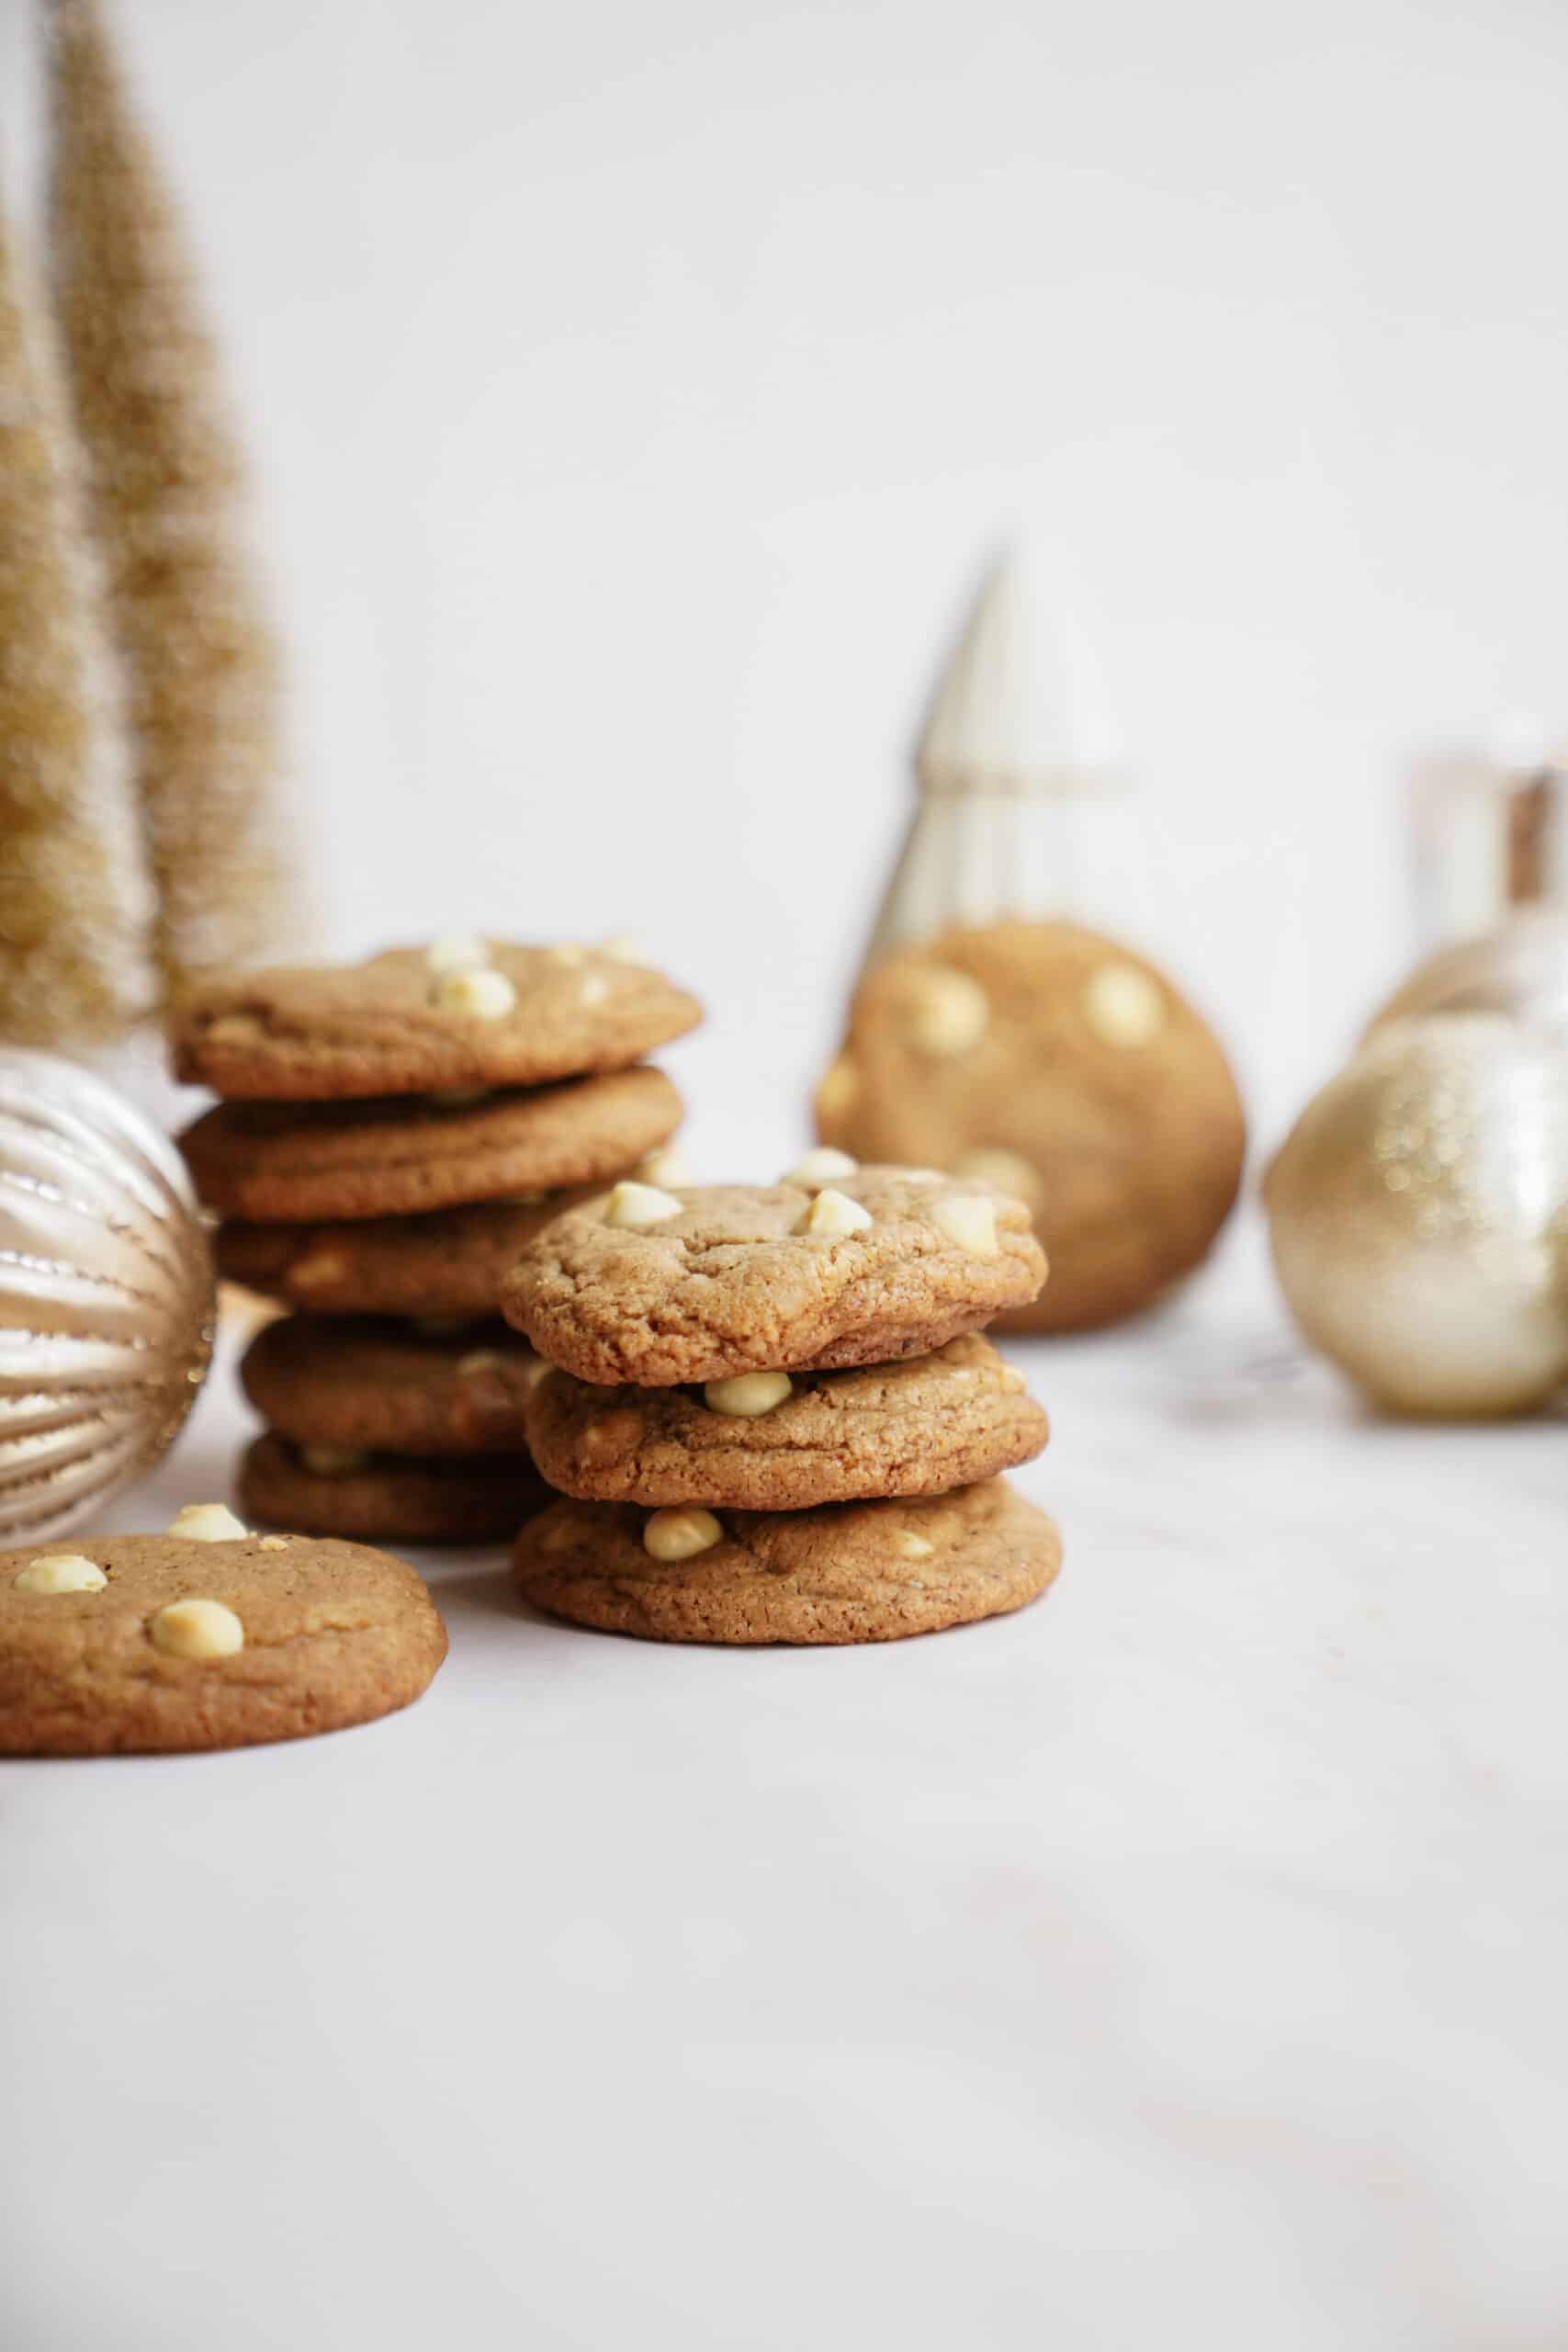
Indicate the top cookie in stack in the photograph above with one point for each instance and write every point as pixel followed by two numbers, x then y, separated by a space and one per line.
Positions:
pixel 392 1133
pixel 804 1358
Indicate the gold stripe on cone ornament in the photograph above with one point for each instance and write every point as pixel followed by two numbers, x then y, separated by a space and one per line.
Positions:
pixel 105 1294
pixel 1418 1217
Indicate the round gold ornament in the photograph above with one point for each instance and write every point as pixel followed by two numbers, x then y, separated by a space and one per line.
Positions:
pixel 1521 969
pixel 1418 1215
pixel 105 1293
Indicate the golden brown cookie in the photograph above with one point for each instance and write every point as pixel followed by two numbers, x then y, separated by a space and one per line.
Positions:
pixel 297 1163
pixel 452 1263
pixel 773 1442
pixel 728 1278
pixel 387 1497
pixel 1065 1069
pixel 154 1643
pixel 384 1387
pixel 416 1019
pixel 850 1572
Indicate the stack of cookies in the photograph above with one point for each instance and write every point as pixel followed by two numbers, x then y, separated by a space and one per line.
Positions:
pixel 774 1413
pixel 391 1135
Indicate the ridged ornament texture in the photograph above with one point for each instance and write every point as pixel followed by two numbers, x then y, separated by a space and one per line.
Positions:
pixel 107 1295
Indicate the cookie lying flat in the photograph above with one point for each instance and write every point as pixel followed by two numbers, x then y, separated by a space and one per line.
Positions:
pixel 282 1636
pixel 452 1263
pixel 724 1279
pixel 1057 1064
pixel 386 1499
pixel 850 1572
pixel 454 1014
pixel 295 1163
pixel 384 1387
pixel 768 1442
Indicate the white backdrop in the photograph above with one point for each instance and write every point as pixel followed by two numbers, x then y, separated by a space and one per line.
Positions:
pixel 633 391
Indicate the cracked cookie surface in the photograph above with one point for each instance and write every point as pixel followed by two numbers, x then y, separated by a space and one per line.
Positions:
pixel 726 1284
pixel 1067 1067
pixel 325 1032
pixel 477 1498
pixel 334 1633
pixel 289 1163
pixel 849 1571
pixel 360 1382
pixel 918 1427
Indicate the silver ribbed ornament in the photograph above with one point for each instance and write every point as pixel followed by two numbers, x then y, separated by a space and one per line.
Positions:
pixel 107 1303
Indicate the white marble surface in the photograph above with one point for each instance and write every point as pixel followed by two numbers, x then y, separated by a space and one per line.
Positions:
pixel 1182 1960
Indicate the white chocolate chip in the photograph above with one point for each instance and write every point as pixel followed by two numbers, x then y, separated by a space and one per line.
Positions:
pixel 60 1572
pixel 482 1360
pixel 1123 1005
pixel 558 1537
pixel 636 1205
pixel 461 952
pixel 620 950
pixel 833 1214
pixel 208 1524
pixel 334 1461
pixel 746 1394
pixel 594 988
pixel 1011 1381
pixel 318 1270
pixel 667 1167
pixel 566 954
pixel 233 1029
pixel 912 1546
pixel 681 1534
pixel 1008 1170
pixel 488 995
pixel 197 1629
pixel 970 1221
pixel 821 1167
pixel 275 1543
pixel 947 1011
pixel 839 1088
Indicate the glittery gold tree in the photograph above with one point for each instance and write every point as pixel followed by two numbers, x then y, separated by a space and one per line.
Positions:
pixel 165 489
pixel 71 967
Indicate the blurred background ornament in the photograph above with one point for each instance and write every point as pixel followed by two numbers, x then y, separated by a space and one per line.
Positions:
pixel 1491 834
pixel 1019 773
pixel 166 498
pixel 1521 967
pixel 1418 1217
pixel 105 1294
pixel 992 1032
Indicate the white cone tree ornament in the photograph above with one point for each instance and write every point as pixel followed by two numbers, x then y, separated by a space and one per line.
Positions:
pixel 1418 1217
pixel 1018 757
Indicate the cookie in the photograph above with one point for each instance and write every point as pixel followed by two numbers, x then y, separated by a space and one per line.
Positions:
pixel 730 1278
pixel 451 1263
pixel 770 1443
pixel 297 1163
pixel 377 1386
pixel 390 1498
pixel 849 1571
pixel 158 1643
pixel 1062 1067
pixel 457 1014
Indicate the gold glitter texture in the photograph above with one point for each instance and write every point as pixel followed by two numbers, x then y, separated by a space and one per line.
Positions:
pixel 68 963
pixel 166 486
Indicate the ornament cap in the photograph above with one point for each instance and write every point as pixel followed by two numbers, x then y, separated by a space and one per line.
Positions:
pixel 1022 706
